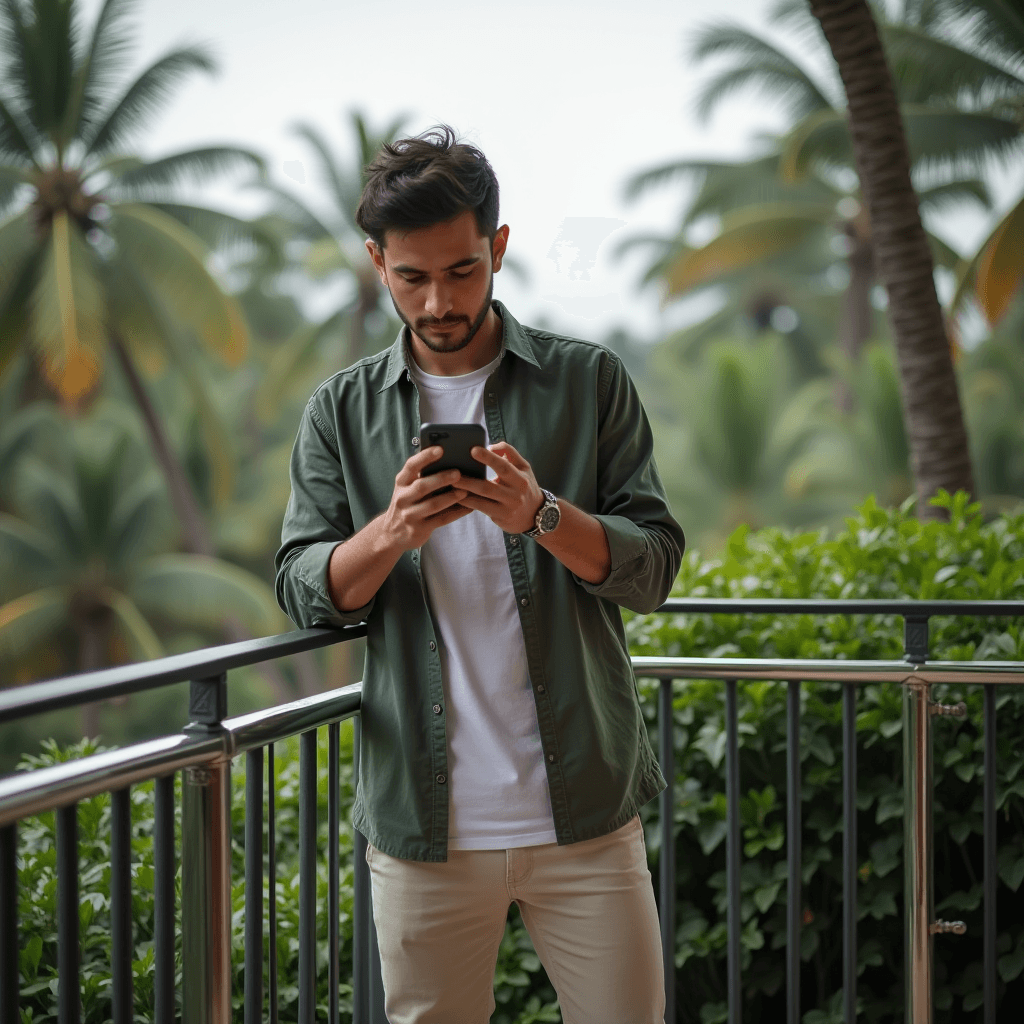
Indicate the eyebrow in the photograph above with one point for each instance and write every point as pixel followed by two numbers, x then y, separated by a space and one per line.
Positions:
pixel 404 268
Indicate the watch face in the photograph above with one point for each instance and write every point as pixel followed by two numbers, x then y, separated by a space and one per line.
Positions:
pixel 550 519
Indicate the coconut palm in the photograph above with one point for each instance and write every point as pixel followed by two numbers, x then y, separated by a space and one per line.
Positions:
pixel 98 254
pixel 931 402
pixel 331 244
pixel 88 579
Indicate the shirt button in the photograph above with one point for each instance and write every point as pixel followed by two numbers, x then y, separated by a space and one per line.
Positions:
pixel 491 397
pixel 440 780
pixel 415 442
pixel 540 687
pixel 432 645
pixel 551 757
pixel 515 542
pixel 525 601
pixel 437 709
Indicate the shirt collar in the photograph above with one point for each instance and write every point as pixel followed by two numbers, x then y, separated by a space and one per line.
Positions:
pixel 513 339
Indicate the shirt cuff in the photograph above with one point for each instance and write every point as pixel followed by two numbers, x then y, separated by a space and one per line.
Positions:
pixel 310 569
pixel 630 556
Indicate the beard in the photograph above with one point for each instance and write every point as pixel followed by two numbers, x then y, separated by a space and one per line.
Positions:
pixel 454 343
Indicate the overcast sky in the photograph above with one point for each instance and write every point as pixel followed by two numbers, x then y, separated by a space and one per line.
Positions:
pixel 566 98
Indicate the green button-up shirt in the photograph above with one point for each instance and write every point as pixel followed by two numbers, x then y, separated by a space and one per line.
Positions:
pixel 571 410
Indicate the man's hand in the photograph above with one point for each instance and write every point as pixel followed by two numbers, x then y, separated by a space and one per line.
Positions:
pixel 512 500
pixel 413 515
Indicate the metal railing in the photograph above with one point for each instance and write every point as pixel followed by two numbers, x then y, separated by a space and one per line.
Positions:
pixel 203 752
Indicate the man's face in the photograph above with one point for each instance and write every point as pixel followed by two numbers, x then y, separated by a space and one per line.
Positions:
pixel 441 279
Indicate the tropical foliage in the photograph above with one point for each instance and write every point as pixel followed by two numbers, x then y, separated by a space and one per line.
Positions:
pixel 879 553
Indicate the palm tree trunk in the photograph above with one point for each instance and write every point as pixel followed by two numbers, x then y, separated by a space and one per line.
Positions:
pixel 194 530
pixel 939 452
pixel 856 317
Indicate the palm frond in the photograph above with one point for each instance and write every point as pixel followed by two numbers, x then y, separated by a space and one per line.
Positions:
pixel 105 57
pixel 136 524
pixel 67 312
pixel 951 140
pixel 340 190
pixel 146 95
pixel 146 329
pixel 662 174
pixel 193 167
pixel 223 232
pixel 758 62
pixel 43 64
pixel 203 592
pixel 747 237
pixel 1000 272
pixel 47 498
pixel 996 25
pixel 19 432
pixel 16 137
pixel 143 643
pixel 172 260
pixel 30 619
pixel 12 181
pixel 28 556
pixel 929 69
pixel 291 364
pixel 304 221
pixel 943 254
pixel 19 271
pixel 952 194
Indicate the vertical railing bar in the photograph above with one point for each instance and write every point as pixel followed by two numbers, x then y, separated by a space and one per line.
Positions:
pixel 667 857
pixel 121 946
pixel 68 996
pixel 361 907
pixel 990 874
pixel 307 877
pixel 333 872
pixel 163 901
pixel 794 905
pixel 272 879
pixel 9 970
pixel 254 886
pixel 732 855
pixel 850 853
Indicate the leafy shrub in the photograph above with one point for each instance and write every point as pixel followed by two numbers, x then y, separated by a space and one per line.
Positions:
pixel 883 553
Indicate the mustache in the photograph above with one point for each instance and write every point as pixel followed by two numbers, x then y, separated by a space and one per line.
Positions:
pixel 443 323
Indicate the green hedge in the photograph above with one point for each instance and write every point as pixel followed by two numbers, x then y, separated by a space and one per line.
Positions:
pixel 883 553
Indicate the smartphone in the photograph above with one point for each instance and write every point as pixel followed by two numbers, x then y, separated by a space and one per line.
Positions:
pixel 456 439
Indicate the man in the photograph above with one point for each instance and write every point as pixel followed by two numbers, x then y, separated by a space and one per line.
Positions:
pixel 504 754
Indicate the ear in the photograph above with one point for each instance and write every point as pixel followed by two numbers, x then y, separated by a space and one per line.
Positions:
pixel 498 247
pixel 377 256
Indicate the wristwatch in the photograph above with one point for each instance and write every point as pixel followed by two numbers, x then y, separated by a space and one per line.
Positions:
pixel 548 517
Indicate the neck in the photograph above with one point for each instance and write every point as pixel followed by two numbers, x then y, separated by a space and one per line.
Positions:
pixel 479 352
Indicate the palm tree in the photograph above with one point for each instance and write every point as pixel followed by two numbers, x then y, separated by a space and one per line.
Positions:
pixel 87 579
pixel 934 420
pixel 331 244
pixel 95 254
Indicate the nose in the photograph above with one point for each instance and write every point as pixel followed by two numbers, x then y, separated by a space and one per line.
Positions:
pixel 439 300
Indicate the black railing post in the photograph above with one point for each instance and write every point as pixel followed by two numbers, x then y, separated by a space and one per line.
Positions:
pixel 990 875
pixel 732 852
pixel 164 871
pixel 122 999
pixel 307 877
pixel 850 853
pixel 254 886
pixel 206 868
pixel 794 904
pixel 9 969
pixel 333 871
pixel 69 996
pixel 667 856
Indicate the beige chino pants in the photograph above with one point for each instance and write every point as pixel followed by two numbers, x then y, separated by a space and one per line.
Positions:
pixel 589 908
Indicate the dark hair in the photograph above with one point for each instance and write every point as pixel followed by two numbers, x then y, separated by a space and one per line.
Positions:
pixel 413 183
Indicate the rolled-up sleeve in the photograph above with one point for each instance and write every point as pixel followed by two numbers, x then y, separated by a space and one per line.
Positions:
pixel 645 541
pixel 316 519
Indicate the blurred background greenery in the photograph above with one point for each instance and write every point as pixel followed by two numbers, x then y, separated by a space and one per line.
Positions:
pixel 155 355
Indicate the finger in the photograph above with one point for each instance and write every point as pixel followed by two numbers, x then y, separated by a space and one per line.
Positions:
pixel 500 466
pixel 425 485
pixel 416 462
pixel 485 488
pixel 431 506
pixel 479 504
pixel 506 450
pixel 449 515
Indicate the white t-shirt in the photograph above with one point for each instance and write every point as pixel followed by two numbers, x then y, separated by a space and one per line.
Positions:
pixel 497 783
